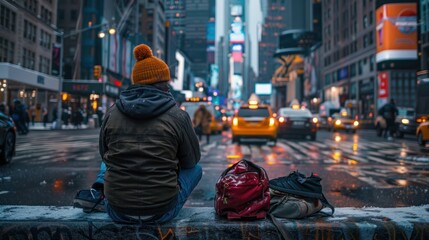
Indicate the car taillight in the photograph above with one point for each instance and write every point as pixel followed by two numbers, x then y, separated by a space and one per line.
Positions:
pixel 235 121
pixel 272 122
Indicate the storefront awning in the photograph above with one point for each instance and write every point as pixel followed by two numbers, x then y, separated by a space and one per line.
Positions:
pixel 22 75
pixel 87 87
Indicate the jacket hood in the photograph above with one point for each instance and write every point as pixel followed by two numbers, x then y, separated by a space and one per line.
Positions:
pixel 144 102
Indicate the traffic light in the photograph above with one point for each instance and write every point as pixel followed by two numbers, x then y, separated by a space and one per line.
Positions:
pixel 97 72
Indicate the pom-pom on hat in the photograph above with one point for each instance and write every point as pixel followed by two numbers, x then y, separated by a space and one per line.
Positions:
pixel 148 68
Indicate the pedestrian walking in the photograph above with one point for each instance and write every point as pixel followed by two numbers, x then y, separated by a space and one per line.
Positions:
pixel 45 116
pixel 389 112
pixel 202 119
pixel 149 150
pixel 20 116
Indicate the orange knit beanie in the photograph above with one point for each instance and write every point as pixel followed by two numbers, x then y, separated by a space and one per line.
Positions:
pixel 148 68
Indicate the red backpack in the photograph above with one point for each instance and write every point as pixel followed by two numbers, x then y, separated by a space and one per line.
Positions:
pixel 242 191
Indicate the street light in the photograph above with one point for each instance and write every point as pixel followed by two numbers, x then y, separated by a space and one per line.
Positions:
pixel 102 34
pixel 60 77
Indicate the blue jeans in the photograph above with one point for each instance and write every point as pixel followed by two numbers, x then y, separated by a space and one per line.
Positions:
pixel 188 180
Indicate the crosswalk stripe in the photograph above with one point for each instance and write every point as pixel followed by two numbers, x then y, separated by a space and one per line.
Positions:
pixel 379 160
pixel 290 150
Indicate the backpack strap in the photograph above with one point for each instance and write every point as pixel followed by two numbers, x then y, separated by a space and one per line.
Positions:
pixel 327 204
pixel 279 226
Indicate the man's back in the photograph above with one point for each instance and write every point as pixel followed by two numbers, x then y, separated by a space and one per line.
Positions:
pixel 143 149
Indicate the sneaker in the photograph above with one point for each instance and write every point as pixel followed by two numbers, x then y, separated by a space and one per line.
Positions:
pixel 298 184
pixel 89 200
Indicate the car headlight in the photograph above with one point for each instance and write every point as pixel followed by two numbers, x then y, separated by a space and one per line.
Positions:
pixel 405 121
pixel 338 122
pixel 355 123
pixel 315 120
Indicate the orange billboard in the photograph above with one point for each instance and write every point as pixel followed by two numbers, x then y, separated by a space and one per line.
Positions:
pixel 396 36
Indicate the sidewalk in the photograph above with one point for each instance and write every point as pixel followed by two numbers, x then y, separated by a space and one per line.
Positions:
pixel 66 222
pixel 40 127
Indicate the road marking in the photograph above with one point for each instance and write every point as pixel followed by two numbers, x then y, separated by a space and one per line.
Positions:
pixel 379 160
pixel 290 151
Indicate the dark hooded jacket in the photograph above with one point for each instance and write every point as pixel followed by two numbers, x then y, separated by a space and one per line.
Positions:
pixel 145 140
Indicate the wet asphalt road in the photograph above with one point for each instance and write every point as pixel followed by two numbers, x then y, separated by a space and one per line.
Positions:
pixel 357 169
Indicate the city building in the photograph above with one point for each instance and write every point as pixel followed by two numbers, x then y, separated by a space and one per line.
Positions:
pixel 422 106
pixel 99 37
pixel 237 25
pixel 28 58
pixel 197 15
pixel 279 61
pixel 349 67
pixel 363 67
pixel 175 13
pixel 152 26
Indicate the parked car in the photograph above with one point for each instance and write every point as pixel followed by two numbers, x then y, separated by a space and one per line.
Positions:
pixel 7 138
pixel 296 122
pixel 406 122
pixel 254 122
pixel 422 133
pixel 341 121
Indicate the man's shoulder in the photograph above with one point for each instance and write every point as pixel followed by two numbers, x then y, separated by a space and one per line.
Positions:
pixel 175 111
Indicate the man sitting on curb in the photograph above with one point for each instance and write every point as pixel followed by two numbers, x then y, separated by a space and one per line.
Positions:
pixel 149 150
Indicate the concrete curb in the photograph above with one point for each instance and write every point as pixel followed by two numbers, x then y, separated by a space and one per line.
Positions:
pixel 50 222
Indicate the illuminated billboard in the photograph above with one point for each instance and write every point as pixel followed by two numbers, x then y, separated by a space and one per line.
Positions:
pixel 396 36
pixel 263 89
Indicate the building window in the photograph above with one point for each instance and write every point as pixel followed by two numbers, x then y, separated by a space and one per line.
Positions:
pixel 7 49
pixel 45 39
pixel 365 21
pixel 31 5
pixel 73 15
pixel 371 63
pixel 45 15
pixel 353 70
pixel 371 18
pixel 44 64
pixel 371 38
pixel 360 67
pixel 28 59
pixel 365 41
pixel 30 31
pixel 7 18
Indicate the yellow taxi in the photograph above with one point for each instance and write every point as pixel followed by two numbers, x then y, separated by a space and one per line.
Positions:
pixel 342 121
pixel 422 133
pixel 254 122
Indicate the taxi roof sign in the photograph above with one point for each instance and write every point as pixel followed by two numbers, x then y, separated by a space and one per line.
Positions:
pixel 294 104
pixel 253 99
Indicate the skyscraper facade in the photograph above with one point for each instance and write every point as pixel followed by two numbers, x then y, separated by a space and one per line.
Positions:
pixel 195 37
